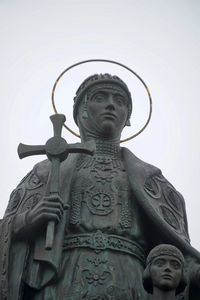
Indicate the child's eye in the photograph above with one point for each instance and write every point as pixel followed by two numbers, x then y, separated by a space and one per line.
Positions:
pixel 175 265
pixel 159 262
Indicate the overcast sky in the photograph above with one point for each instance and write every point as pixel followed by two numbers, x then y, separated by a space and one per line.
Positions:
pixel 158 39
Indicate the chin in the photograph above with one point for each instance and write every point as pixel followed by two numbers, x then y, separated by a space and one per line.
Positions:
pixel 108 129
pixel 167 286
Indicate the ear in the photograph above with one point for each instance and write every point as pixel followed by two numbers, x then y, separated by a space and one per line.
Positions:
pixel 85 114
pixel 128 122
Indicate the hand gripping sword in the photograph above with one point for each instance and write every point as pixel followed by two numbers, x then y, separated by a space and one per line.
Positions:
pixel 57 150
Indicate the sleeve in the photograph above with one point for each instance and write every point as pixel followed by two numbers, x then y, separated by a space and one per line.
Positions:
pixel 26 195
pixel 13 253
pixel 5 240
pixel 168 203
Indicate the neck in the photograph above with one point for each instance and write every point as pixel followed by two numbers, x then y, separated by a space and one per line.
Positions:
pixel 100 139
pixel 107 148
pixel 89 133
pixel 163 295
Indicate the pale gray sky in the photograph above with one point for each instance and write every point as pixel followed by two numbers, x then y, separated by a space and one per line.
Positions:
pixel 158 39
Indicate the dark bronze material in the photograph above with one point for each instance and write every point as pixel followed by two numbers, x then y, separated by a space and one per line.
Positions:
pixel 164 276
pixel 57 150
pixel 119 208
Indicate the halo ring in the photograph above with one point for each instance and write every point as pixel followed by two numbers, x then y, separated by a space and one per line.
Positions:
pixel 111 62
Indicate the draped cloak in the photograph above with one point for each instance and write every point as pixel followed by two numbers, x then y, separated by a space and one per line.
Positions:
pixel 161 207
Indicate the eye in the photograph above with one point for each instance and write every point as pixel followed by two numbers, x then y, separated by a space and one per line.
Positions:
pixel 99 97
pixel 159 262
pixel 176 265
pixel 119 100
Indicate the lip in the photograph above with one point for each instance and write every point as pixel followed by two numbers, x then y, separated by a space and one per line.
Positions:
pixel 167 276
pixel 110 115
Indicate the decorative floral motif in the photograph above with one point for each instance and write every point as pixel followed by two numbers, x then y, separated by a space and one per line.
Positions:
pixel 5 243
pixel 100 202
pixel 125 218
pixel 116 293
pixel 95 277
pixel 75 208
pixel 152 188
pixel 34 182
pixel 16 197
pixel 170 217
pixel 160 178
pixel 99 163
pixel 103 177
pixel 96 261
pixel 174 199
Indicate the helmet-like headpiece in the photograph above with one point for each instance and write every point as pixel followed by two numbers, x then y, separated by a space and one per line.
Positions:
pixel 165 249
pixel 100 79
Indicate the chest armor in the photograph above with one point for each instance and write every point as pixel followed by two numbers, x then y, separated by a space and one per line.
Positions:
pixel 100 192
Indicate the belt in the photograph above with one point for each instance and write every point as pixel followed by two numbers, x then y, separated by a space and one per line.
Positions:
pixel 100 241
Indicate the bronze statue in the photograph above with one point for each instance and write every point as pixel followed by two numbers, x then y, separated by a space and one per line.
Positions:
pixel 164 275
pixel 111 210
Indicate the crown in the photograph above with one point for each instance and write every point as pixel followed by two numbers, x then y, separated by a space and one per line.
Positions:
pixel 99 79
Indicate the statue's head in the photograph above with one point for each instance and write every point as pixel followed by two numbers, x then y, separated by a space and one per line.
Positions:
pixel 102 106
pixel 165 269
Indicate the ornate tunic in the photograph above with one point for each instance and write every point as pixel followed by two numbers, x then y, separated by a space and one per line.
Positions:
pixel 104 241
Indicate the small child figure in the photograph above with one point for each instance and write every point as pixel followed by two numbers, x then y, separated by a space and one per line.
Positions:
pixel 164 276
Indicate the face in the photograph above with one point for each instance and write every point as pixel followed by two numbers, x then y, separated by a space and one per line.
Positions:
pixel 107 111
pixel 166 272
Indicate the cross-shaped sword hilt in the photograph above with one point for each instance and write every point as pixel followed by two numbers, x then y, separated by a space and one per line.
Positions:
pixel 56 147
pixel 57 150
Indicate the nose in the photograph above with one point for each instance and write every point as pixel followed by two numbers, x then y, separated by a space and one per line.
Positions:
pixel 110 102
pixel 168 268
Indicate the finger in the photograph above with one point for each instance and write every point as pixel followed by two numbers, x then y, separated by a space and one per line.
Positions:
pixel 47 204
pixel 50 210
pixel 54 199
pixel 46 217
